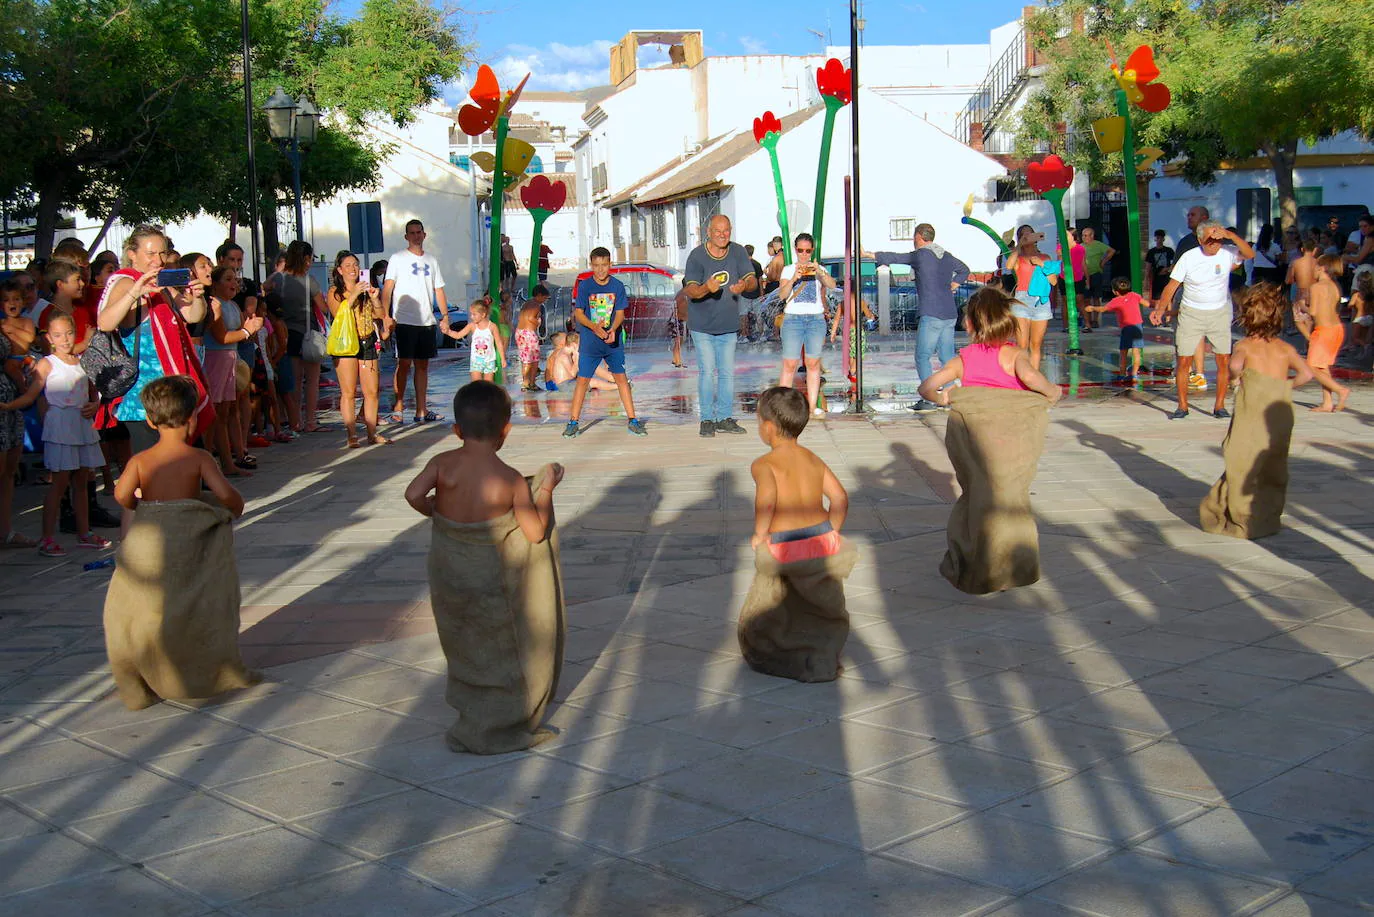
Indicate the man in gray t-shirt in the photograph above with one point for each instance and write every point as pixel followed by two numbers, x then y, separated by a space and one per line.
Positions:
pixel 719 273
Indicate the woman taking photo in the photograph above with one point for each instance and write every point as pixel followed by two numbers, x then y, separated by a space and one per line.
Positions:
pixel 803 322
pixel 352 299
pixel 300 297
pixel 151 321
pixel 1032 309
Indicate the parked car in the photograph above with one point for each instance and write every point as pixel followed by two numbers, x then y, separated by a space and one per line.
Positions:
pixel 651 291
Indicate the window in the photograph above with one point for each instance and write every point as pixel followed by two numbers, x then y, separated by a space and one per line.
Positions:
pixel 461 162
pixel 660 286
pixel 682 239
pixel 536 165
pixel 636 226
pixel 708 205
pixel 658 217
pixel 901 229
pixel 617 234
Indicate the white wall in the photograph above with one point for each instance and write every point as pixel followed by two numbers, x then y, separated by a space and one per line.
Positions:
pixel 930 81
pixel 740 89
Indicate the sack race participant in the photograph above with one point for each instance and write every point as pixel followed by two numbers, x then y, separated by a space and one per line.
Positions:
pixel 496 588
pixel 996 432
pixel 172 609
pixel 1247 502
pixel 794 622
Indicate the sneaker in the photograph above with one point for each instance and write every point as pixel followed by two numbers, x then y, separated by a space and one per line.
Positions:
pixel 708 428
pixel 923 406
pixel 728 425
pixel 92 540
pixel 636 427
pixel 48 547
pixel 1177 415
pixel 1197 381
pixel 571 429
pixel 1221 414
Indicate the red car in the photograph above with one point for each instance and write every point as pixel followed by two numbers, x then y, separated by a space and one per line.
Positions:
pixel 652 295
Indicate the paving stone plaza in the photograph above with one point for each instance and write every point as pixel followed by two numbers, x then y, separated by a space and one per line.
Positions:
pixel 1169 723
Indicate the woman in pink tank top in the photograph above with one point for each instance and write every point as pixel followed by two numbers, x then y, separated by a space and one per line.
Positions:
pixel 991 360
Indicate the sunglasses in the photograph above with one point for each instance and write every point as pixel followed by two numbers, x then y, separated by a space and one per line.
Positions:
pixel 804 251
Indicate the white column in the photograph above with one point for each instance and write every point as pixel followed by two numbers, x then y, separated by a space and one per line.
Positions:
pixel 884 300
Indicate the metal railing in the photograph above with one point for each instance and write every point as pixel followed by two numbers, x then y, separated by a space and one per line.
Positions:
pixel 999 87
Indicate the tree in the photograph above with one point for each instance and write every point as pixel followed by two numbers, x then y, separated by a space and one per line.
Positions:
pixel 1247 77
pixel 135 106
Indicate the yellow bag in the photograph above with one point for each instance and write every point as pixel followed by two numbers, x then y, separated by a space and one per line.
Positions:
pixel 343 335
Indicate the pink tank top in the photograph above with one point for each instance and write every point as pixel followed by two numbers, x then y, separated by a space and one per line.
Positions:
pixel 981 367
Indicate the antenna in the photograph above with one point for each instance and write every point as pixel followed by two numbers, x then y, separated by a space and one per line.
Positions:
pixel 820 36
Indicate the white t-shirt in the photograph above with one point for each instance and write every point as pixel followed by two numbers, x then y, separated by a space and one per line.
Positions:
pixel 806 295
pixel 1206 278
pixel 37 309
pixel 416 277
pixel 1356 239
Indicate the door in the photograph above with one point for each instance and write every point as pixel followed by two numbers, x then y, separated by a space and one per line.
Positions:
pixel 1253 207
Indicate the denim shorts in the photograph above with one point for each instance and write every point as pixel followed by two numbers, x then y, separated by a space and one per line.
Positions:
pixel 1027 306
pixel 799 330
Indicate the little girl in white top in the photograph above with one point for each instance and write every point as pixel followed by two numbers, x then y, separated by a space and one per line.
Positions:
pixel 71 445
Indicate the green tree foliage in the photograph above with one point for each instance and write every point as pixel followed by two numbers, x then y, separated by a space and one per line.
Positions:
pixel 136 106
pixel 1248 77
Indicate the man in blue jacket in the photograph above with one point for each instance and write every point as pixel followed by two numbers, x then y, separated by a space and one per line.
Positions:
pixel 938 274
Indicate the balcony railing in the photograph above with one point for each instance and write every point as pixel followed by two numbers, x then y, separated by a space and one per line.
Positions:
pixel 1005 78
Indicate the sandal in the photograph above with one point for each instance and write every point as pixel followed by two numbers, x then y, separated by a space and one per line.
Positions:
pixel 49 547
pixel 353 442
pixel 247 461
pixel 16 540
pixel 428 417
pixel 377 439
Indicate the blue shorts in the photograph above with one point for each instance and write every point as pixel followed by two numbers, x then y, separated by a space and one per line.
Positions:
pixel 802 330
pixel 1132 336
pixel 589 360
pixel 1031 307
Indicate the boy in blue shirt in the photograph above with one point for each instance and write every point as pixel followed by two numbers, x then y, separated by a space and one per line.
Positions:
pixel 598 314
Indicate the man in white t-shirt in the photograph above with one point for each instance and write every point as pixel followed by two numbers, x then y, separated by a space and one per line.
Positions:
pixel 1204 273
pixel 412 288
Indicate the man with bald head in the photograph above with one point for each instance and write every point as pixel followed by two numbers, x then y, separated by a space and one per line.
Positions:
pixel 719 272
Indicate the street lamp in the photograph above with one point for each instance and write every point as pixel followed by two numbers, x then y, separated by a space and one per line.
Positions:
pixel 292 125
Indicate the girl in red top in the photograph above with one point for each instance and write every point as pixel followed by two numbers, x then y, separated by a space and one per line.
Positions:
pixel 992 359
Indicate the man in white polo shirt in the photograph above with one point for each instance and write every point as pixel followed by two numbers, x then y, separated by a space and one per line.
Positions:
pixel 413 285
pixel 1205 308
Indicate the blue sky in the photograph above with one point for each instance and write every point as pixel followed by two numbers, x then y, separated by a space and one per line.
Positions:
pixel 565 45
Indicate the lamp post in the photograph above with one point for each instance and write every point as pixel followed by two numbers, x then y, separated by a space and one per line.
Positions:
pixel 248 137
pixel 292 125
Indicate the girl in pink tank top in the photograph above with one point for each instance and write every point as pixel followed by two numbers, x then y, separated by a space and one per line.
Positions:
pixel 991 360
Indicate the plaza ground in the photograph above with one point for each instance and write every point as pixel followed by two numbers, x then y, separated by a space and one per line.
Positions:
pixel 1168 723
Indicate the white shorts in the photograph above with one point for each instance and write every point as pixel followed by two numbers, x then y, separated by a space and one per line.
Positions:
pixel 1196 324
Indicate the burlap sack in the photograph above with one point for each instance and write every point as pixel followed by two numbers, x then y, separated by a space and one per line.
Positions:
pixel 498 606
pixel 793 623
pixel 172 609
pixel 994 440
pixel 1247 501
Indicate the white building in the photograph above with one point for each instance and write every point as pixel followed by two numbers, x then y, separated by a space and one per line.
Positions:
pixel 653 174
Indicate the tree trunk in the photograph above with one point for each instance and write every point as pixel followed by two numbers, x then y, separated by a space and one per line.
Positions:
pixel 1283 156
pixel 49 210
pixel 270 243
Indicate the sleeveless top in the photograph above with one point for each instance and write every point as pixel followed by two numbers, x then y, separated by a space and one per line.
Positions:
pixel 1024 270
pixel 67 389
pixel 982 368
pixel 233 321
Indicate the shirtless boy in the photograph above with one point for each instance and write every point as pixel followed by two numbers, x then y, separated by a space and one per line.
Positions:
pixel 470 483
pixel 1324 332
pixel 171 469
pixel 791 514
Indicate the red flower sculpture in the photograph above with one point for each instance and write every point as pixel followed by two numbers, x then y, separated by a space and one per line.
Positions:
pixel 834 80
pixel 476 120
pixel 1050 175
pixel 542 194
pixel 768 124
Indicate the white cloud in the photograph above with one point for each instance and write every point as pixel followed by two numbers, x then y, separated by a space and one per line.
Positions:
pixel 554 67
pixel 752 45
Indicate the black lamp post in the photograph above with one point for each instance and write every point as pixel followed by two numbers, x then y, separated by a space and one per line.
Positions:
pixel 292 125
pixel 856 279
pixel 248 137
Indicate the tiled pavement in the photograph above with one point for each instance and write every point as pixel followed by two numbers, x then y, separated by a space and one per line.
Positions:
pixel 1170 723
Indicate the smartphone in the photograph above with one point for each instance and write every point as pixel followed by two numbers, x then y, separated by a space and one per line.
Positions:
pixel 174 277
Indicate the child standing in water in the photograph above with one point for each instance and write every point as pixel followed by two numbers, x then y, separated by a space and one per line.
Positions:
pixel 527 343
pixel 992 359
pixel 71 446
pixel 488 350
